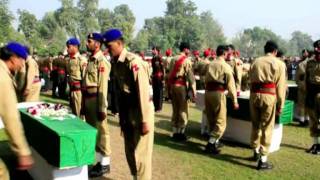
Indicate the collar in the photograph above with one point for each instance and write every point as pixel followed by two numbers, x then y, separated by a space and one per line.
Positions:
pixel 219 58
pixel 5 68
pixel 269 54
pixel 123 55
pixel 97 55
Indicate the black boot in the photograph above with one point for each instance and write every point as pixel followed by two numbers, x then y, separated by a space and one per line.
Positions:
pixel 212 149
pixel 99 170
pixel 255 157
pixel 312 149
pixel 316 150
pixel 264 165
pixel 175 137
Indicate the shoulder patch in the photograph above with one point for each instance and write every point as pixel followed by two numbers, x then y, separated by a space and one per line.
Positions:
pixel 135 67
pixel 101 69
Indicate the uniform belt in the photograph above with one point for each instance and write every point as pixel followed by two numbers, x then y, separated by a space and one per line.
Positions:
pixel 91 89
pixel 180 82
pixel 75 85
pixel 264 88
pixel 36 79
pixel 215 86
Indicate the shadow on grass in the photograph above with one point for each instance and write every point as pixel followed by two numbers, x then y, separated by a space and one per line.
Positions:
pixel 198 148
pixel 293 147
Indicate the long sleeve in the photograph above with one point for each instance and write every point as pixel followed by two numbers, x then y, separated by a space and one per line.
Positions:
pixel 31 73
pixel 281 86
pixel 231 86
pixel 11 119
pixel 103 74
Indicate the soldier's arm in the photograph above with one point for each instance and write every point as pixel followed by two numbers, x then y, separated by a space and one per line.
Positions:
pixel 231 85
pixel 30 74
pixel 11 120
pixel 281 86
pixel 83 66
pixel 103 74
pixel 190 77
pixel 141 77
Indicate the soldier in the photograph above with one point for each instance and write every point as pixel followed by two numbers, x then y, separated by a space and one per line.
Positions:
pixel 157 78
pixel 54 75
pixel 166 65
pixel 135 105
pixel 32 86
pixel 12 57
pixel 267 98
pixel 196 68
pixel 312 81
pixel 95 104
pixel 45 72
pixel 62 76
pixel 301 111
pixel 203 67
pixel 245 83
pixel 76 69
pixel 219 78
pixel 236 65
pixel 181 80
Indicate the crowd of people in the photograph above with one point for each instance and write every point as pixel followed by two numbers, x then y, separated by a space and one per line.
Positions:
pixel 133 87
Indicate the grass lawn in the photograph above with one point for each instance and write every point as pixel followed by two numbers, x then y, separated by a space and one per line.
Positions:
pixel 181 161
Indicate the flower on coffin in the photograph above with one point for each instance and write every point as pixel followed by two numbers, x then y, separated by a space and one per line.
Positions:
pixel 48 110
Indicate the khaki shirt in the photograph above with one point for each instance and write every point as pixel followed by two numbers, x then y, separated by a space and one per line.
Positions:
pixel 32 72
pixel 9 113
pixel 185 71
pixel 313 72
pixel 132 75
pixel 269 69
pixel 76 67
pixel 220 72
pixel 301 74
pixel 236 66
pixel 97 75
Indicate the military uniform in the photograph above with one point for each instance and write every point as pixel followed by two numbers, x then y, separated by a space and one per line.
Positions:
pixel 76 69
pixel 135 107
pixel 236 66
pixel 45 69
pixel 166 65
pixel 219 78
pixel 20 79
pixel 196 70
pixel 245 82
pixel 95 104
pixel 33 83
pixel 54 76
pixel 157 81
pixel 181 80
pixel 10 118
pixel 62 77
pixel 267 95
pixel 301 111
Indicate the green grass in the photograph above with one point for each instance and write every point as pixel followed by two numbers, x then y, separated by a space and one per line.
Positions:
pixel 291 162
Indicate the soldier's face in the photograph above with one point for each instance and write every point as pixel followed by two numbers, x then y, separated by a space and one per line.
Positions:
pixel 17 63
pixel 115 48
pixel 91 45
pixel 71 49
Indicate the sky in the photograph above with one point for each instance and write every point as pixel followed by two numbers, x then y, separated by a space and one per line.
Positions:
pixel 281 16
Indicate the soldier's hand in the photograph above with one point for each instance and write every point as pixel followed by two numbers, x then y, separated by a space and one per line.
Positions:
pixel 236 106
pixel 25 162
pixel 101 116
pixel 145 128
pixel 26 92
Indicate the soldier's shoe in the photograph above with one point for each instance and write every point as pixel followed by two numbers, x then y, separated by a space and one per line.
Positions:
pixel 303 123
pixel 316 150
pixel 182 137
pixel 212 149
pixel 255 157
pixel 264 166
pixel 99 170
pixel 175 137
pixel 219 144
pixel 312 149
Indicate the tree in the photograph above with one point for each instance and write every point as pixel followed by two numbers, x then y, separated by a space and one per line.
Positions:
pixel 298 42
pixel 6 29
pixel 88 19
pixel 104 19
pixel 68 17
pixel 250 42
pixel 124 19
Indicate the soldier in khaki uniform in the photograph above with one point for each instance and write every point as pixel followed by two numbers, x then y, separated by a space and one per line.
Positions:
pixel 75 69
pixel 196 68
pixel 54 75
pixel 95 103
pixel 245 83
pixel 267 98
pixel 11 60
pixel 181 81
pixel 32 86
pixel 219 78
pixel 62 75
pixel 236 65
pixel 136 110
pixel 166 64
pixel 312 82
pixel 301 112
pixel 203 67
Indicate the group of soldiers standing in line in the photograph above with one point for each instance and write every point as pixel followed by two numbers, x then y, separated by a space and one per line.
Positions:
pixel 137 84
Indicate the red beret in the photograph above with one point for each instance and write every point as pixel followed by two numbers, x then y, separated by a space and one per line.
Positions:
pixel 206 53
pixel 196 53
pixel 168 52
